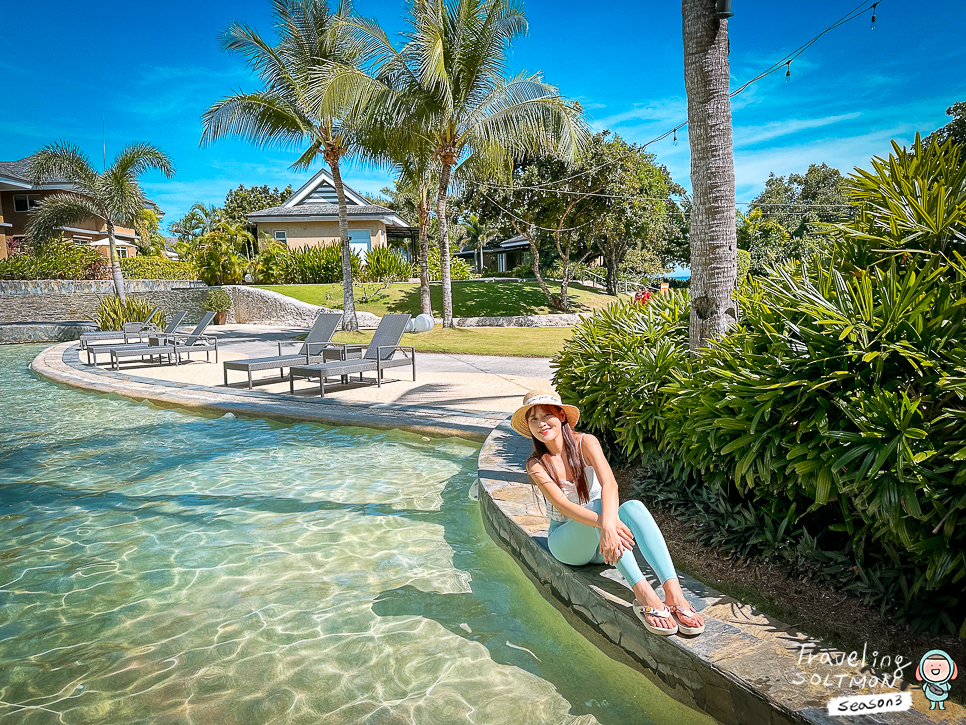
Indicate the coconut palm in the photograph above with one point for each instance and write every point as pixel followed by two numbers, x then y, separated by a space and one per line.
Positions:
pixel 113 196
pixel 285 110
pixel 478 234
pixel 714 264
pixel 447 91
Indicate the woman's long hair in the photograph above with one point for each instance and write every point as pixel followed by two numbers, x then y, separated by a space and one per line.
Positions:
pixel 571 456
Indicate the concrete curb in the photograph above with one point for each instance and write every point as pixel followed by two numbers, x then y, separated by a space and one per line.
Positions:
pixel 745 668
pixel 62 364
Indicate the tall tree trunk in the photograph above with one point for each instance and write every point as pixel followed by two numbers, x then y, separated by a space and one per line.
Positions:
pixel 115 263
pixel 714 264
pixel 444 243
pixel 529 233
pixel 425 301
pixel 350 322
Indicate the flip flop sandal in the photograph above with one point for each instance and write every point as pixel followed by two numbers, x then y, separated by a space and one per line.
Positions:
pixel 682 613
pixel 643 612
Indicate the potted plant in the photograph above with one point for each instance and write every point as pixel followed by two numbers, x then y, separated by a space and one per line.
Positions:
pixel 219 302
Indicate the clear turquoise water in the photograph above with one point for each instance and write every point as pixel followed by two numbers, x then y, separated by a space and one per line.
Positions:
pixel 164 567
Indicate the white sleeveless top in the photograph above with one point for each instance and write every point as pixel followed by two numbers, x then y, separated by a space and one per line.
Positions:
pixel 570 489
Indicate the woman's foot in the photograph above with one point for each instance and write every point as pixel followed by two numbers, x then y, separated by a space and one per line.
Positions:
pixel 657 620
pixel 688 620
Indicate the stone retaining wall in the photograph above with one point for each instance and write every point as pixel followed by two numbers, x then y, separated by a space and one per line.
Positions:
pixel 13 333
pixel 520 321
pixel 58 300
pixel 254 306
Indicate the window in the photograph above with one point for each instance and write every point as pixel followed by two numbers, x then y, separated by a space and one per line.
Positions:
pixel 81 240
pixel 122 252
pixel 360 240
pixel 25 202
pixel 281 236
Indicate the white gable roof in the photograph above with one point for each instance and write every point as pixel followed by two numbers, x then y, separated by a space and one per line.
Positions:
pixel 320 189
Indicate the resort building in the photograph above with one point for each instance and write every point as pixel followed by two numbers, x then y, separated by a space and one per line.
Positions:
pixel 310 218
pixel 498 256
pixel 18 196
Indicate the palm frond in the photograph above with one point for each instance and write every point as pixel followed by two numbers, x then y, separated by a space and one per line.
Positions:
pixel 59 210
pixel 136 158
pixel 64 159
pixel 261 118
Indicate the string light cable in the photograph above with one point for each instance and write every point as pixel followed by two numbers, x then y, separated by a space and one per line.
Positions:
pixel 785 62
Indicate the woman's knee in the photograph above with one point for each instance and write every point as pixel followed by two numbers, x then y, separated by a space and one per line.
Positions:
pixel 633 509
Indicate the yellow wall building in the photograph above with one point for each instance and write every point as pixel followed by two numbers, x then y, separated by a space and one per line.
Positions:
pixel 310 218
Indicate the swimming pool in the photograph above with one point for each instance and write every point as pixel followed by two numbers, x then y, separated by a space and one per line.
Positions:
pixel 166 567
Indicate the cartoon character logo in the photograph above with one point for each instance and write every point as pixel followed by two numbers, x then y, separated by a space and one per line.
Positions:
pixel 936 669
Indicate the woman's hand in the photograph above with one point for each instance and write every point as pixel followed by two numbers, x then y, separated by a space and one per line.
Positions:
pixel 614 541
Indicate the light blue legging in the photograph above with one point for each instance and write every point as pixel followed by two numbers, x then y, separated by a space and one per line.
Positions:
pixel 576 544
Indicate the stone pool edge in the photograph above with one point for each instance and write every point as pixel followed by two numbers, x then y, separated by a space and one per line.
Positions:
pixel 745 668
pixel 61 363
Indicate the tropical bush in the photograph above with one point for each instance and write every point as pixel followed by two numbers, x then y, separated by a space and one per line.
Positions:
pixel 56 260
pixel 744 264
pixel 272 265
pixel 827 428
pixel 157 268
pixel 320 265
pixel 458 269
pixel 217 300
pixel 112 314
pixel 386 265
pixel 217 259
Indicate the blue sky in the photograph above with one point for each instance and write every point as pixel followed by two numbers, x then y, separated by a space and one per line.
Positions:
pixel 149 71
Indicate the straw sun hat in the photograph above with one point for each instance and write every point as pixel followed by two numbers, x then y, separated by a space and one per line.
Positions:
pixel 540 396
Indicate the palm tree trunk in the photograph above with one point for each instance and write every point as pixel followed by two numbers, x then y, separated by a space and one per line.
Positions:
pixel 444 245
pixel 425 302
pixel 115 263
pixel 713 239
pixel 350 322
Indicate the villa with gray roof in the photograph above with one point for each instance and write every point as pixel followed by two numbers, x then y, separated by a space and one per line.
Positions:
pixel 18 196
pixel 310 218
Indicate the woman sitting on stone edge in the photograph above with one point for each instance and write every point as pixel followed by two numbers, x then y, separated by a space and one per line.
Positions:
pixel 586 524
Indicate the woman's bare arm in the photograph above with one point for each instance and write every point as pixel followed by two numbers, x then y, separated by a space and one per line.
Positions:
pixel 560 502
pixel 615 537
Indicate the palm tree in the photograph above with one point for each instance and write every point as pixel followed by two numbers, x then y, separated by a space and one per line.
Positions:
pixel 114 195
pixel 287 110
pixel 447 90
pixel 478 234
pixel 714 264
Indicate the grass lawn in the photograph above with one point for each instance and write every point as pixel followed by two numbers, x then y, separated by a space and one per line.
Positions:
pixel 470 299
pixel 505 341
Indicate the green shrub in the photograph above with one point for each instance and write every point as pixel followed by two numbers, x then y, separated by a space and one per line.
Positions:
pixel 273 264
pixel 744 264
pixel 458 269
pixel 616 363
pixel 386 265
pixel 217 259
pixel 217 300
pixel 112 314
pixel 320 265
pixel 56 260
pixel 523 271
pixel 827 427
pixel 157 268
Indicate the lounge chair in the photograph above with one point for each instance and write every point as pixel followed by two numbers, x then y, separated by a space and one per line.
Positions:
pixel 317 339
pixel 378 355
pixel 168 345
pixel 170 329
pixel 127 331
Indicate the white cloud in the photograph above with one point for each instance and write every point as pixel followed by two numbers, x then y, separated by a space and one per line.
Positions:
pixel 751 135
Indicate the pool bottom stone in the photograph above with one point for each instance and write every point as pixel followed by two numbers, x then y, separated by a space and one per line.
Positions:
pixel 166 567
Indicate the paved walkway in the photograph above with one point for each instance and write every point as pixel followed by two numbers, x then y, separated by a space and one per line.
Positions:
pixel 463 395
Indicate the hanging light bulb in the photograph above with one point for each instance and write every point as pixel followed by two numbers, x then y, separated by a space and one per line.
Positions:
pixel 788 71
pixel 675 137
pixel 873 15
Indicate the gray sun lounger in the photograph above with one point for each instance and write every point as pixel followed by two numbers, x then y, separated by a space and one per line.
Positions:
pixel 317 339
pixel 128 330
pixel 176 345
pixel 379 355
pixel 170 329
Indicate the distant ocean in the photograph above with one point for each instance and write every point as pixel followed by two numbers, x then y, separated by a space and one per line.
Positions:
pixel 680 273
